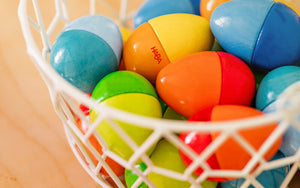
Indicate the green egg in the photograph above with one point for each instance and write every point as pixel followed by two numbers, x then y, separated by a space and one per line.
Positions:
pixel 121 82
pixel 165 156
pixel 135 95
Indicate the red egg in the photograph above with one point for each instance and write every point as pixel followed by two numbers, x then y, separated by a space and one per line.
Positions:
pixel 230 155
pixel 205 79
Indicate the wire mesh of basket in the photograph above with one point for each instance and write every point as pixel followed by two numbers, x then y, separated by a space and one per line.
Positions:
pixel 39 32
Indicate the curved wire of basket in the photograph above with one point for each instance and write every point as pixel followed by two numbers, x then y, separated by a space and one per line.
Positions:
pixel 66 100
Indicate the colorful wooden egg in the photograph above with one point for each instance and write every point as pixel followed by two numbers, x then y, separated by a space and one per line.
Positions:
pixel 164 39
pixel 153 8
pixel 86 50
pixel 130 92
pixel 230 155
pixel 271 178
pixel 274 83
pixel 205 79
pixel 115 167
pixel 166 156
pixel 263 33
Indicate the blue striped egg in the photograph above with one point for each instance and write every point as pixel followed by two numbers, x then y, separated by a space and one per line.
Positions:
pixel 263 33
pixel 86 50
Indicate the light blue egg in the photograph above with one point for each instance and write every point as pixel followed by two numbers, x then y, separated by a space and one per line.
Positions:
pixel 154 8
pixel 270 179
pixel 274 83
pixel 102 26
pixel 264 33
pixel 279 40
pixel 291 138
pixel 88 49
pixel 236 25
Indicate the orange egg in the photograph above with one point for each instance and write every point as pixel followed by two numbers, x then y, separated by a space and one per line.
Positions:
pixel 230 155
pixel 205 79
pixel 163 40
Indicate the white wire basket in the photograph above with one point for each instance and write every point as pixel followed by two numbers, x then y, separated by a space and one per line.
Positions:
pixel 40 34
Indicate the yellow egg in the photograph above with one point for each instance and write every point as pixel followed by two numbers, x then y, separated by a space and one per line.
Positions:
pixel 163 40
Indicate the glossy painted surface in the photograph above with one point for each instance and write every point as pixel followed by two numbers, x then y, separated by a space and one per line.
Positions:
pixel 130 92
pixel 102 26
pixel 274 83
pixel 138 103
pixel 83 59
pixel 121 82
pixel 154 8
pixel 190 33
pixel 163 40
pixel 144 54
pixel 238 82
pixel 265 32
pixel 271 178
pixel 167 156
pixel 208 6
pixel 203 79
pixel 230 155
pixel 279 40
pixel 86 50
pixel 244 19
pixel 181 83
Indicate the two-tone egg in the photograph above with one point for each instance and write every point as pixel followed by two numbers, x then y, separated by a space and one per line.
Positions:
pixel 263 33
pixel 205 79
pixel 230 155
pixel 164 39
pixel 86 50
pixel 130 92
pixel 268 93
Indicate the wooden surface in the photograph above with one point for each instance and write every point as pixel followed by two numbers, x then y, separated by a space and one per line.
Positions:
pixel 34 149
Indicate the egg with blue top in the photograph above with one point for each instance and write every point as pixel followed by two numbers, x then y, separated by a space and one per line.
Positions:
pixel 86 50
pixel 272 85
pixel 154 8
pixel 263 33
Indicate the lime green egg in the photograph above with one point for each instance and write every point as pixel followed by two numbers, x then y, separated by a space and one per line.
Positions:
pixel 124 96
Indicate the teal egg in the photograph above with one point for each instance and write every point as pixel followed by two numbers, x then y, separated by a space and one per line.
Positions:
pixel 274 83
pixel 86 50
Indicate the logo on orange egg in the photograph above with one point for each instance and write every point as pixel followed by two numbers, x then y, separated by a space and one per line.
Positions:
pixel 157 56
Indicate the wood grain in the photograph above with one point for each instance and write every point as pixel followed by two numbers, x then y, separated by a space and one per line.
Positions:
pixel 34 149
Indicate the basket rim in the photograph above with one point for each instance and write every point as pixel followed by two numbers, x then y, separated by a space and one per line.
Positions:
pixel 59 84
